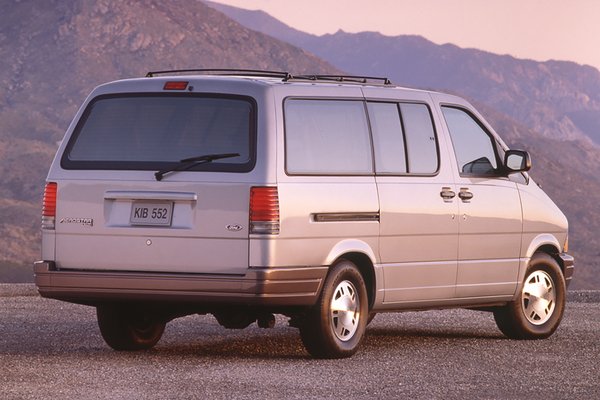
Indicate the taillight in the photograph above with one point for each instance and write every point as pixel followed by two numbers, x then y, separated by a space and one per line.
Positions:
pixel 49 206
pixel 264 210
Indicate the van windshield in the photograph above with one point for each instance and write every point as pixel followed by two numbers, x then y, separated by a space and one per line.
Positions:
pixel 151 132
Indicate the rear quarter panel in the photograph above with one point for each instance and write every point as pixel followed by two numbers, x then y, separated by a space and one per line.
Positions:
pixel 302 240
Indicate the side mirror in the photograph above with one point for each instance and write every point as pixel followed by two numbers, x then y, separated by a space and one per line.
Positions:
pixel 517 161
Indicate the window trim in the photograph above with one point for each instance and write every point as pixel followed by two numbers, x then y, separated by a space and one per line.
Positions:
pixel 68 164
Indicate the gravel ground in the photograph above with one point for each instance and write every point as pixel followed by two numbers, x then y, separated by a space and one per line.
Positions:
pixel 50 349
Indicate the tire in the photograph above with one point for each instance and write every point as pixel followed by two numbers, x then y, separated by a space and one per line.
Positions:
pixel 335 326
pixel 128 329
pixel 537 311
pixel 372 316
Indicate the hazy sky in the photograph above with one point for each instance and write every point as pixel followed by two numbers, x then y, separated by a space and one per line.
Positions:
pixel 536 29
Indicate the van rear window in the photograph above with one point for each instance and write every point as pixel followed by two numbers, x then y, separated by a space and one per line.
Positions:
pixel 147 132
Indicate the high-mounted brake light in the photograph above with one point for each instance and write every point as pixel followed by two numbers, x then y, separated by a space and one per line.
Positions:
pixel 49 206
pixel 175 85
pixel 264 210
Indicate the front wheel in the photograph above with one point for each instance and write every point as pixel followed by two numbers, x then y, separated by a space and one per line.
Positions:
pixel 538 310
pixel 129 329
pixel 335 326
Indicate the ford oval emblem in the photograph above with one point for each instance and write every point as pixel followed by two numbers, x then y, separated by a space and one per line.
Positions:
pixel 234 227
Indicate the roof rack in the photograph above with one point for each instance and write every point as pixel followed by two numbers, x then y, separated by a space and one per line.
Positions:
pixel 226 72
pixel 342 78
pixel 285 76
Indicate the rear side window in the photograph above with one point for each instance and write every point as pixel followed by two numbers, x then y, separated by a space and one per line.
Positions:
pixel 329 137
pixel 153 131
pixel 404 139
pixel 388 138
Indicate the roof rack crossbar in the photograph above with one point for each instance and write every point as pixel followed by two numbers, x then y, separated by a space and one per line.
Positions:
pixel 225 71
pixel 343 78
pixel 285 76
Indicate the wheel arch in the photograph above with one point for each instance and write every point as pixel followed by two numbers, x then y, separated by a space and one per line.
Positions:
pixel 547 244
pixel 363 256
pixel 544 243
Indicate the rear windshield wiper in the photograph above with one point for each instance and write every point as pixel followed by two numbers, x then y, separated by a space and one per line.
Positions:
pixel 187 163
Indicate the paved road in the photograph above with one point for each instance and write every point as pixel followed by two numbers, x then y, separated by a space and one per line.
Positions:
pixel 53 350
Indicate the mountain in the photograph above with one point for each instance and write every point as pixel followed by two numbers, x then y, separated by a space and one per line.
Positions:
pixel 550 108
pixel 53 52
pixel 557 99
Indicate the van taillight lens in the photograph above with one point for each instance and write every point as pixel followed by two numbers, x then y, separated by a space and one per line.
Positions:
pixel 264 210
pixel 49 206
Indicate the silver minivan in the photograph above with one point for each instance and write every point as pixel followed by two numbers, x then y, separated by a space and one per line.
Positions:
pixel 327 199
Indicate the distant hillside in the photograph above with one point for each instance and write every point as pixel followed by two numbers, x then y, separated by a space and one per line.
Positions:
pixel 557 99
pixel 52 53
pixel 550 108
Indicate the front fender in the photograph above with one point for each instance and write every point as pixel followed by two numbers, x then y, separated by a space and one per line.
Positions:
pixel 541 240
pixel 544 239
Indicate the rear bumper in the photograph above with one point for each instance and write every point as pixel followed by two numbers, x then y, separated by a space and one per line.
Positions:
pixel 568 264
pixel 259 287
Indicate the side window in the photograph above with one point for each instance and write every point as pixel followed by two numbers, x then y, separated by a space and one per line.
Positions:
pixel 421 145
pixel 473 146
pixel 404 138
pixel 327 137
pixel 388 138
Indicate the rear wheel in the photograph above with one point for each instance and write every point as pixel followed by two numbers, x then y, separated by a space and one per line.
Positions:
pixel 335 326
pixel 129 328
pixel 372 316
pixel 538 310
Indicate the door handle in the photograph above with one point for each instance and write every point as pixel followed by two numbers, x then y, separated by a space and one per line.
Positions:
pixel 465 195
pixel 447 194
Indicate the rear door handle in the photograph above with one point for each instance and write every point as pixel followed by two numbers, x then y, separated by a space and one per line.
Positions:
pixel 465 195
pixel 447 194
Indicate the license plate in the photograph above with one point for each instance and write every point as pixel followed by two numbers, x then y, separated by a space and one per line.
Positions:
pixel 151 214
